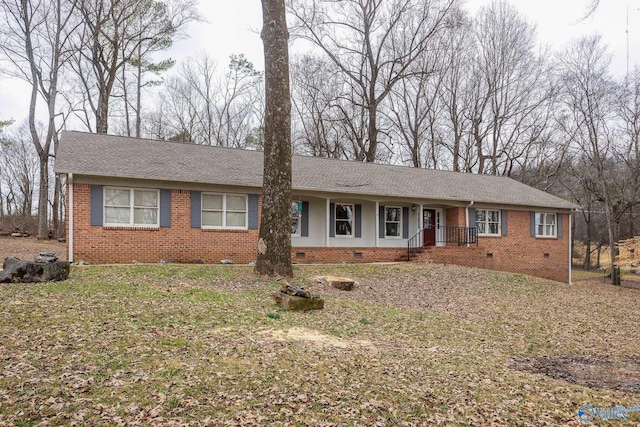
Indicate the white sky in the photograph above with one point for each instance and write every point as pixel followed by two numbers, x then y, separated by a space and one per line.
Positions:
pixel 233 27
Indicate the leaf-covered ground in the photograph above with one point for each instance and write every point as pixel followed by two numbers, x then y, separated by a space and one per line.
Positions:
pixel 412 344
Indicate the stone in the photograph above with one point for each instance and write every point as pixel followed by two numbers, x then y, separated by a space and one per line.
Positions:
pixel 17 270
pixel 341 283
pixel 46 257
pixel 295 297
pixel 196 261
pixel 82 262
pixel 226 261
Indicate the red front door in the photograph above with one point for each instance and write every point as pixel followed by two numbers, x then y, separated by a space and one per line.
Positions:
pixel 429 226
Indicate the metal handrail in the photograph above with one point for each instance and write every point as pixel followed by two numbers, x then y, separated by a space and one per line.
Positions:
pixel 460 236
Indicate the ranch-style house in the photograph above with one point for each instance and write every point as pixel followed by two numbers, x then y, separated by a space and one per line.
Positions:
pixel 148 200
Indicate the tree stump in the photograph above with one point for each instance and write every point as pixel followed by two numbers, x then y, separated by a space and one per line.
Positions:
pixel 17 270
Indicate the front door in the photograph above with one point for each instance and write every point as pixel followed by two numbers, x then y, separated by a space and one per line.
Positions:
pixel 429 226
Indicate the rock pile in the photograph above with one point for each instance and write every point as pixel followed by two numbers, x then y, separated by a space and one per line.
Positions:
pixel 294 297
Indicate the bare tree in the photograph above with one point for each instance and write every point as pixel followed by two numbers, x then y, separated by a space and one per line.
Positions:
pixel 316 96
pixel 510 88
pixel 589 106
pixel 374 43
pixel 117 32
pixel 36 41
pixel 274 245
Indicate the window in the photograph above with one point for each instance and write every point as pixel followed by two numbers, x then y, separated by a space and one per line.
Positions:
pixel 488 222
pixel 132 207
pixel 546 224
pixel 344 220
pixel 296 215
pixel 224 211
pixel 392 222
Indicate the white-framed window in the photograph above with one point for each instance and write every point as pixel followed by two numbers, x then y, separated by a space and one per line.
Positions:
pixel 488 222
pixel 546 224
pixel 344 220
pixel 131 207
pixel 392 221
pixel 296 218
pixel 224 211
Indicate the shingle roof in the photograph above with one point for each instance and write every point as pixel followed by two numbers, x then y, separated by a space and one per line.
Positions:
pixel 123 157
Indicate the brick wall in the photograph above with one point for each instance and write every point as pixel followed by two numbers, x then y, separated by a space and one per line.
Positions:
pixel 178 243
pixel 516 252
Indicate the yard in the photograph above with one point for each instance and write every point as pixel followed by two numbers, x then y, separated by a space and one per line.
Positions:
pixel 413 344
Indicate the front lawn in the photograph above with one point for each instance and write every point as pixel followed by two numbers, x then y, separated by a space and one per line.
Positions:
pixel 413 344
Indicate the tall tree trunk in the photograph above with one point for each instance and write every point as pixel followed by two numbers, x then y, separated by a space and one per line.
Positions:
pixel 274 246
pixel 43 199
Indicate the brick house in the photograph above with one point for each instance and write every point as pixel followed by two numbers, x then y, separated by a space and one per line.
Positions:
pixel 146 200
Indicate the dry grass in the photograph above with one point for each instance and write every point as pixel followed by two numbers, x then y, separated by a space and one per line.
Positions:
pixel 27 248
pixel 411 345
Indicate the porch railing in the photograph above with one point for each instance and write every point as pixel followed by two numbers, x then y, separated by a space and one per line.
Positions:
pixel 460 236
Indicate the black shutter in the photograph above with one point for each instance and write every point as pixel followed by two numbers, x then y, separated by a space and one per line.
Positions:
pixel 533 224
pixel 405 222
pixel 381 230
pixel 560 225
pixel 332 220
pixel 472 217
pixel 97 205
pixel 304 232
pixel 253 212
pixel 165 208
pixel 358 221
pixel 196 209
pixel 503 219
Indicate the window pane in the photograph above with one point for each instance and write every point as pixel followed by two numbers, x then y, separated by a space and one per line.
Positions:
pixel 480 215
pixel 145 216
pixel 147 199
pixel 393 229
pixel 481 227
pixel 343 211
pixel 493 228
pixel 551 230
pixel 212 219
pixel 551 219
pixel 236 203
pixel 116 215
pixel 212 202
pixel 235 219
pixel 294 210
pixel 540 230
pixel 539 219
pixel 116 197
pixel 294 226
pixel 343 228
pixel 493 216
pixel 393 214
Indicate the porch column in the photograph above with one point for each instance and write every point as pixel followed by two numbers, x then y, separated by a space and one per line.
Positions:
pixel 377 225
pixel 328 223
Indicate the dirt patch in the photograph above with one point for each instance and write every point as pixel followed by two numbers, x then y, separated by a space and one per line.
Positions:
pixel 27 248
pixel 314 337
pixel 587 371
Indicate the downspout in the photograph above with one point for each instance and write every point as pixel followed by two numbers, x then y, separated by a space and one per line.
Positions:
pixel 70 236
pixel 570 240
pixel 466 220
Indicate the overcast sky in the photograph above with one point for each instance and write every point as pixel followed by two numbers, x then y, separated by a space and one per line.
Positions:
pixel 233 27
